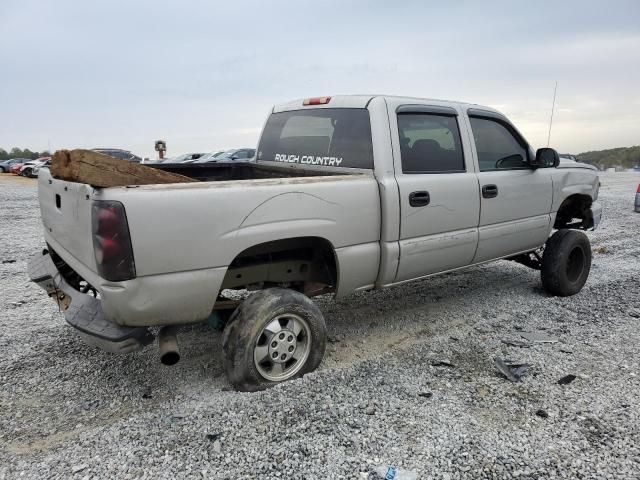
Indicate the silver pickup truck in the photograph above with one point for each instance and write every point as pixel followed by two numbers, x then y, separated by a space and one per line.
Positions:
pixel 347 193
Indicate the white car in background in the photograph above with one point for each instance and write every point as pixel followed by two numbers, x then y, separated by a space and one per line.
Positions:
pixel 30 169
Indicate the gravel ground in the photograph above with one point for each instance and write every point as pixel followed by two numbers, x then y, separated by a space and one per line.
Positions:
pixel 408 379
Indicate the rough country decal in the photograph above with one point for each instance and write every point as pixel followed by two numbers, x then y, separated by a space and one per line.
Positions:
pixel 309 160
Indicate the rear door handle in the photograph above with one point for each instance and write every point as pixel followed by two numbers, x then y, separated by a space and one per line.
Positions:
pixel 419 199
pixel 490 191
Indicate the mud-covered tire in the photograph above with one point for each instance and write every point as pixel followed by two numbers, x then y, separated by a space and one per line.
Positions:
pixel 246 331
pixel 566 262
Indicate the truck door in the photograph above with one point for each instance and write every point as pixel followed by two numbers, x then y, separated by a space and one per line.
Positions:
pixel 439 199
pixel 516 199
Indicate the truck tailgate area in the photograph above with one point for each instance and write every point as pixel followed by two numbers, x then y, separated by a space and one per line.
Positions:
pixel 66 215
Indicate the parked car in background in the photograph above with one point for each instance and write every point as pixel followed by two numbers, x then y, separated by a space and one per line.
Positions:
pixel 6 165
pixel 18 167
pixel 27 169
pixel 184 158
pixel 207 157
pixel 233 155
pixel 119 153
pixel 637 204
pixel 36 168
pixel 15 168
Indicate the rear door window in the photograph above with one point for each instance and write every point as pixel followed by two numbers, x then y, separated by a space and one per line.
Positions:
pixel 330 137
pixel 430 143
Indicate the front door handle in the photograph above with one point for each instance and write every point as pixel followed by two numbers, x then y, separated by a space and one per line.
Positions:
pixel 419 199
pixel 490 191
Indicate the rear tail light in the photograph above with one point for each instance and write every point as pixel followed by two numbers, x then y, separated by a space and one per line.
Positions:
pixel 111 241
pixel 316 101
pixel 638 190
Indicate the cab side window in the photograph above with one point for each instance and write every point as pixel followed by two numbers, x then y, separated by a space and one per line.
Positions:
pixel 497 147
pixel 430 143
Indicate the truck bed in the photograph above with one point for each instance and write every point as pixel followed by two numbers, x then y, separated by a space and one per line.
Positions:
pixel 218 172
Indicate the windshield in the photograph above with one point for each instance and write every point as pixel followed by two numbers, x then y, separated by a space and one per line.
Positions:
pixel 339 137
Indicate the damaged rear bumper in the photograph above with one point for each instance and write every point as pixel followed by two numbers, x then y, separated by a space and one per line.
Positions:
pixel 84 312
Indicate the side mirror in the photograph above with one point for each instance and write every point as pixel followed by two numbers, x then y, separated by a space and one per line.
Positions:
pixel 545 158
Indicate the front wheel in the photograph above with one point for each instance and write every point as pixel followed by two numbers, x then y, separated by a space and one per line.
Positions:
pixel 566 262
pixel 275 335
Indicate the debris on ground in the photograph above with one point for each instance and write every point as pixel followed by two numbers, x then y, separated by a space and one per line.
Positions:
pixel 79 468
pixel 513 371
pixel 393 473
pixel 8 261
pixel 425 394
pixel 538 337
pixel 217 446
pixel 213 436
pixel 442 363
pixel 567 379
pixel 542 413
pixel 516 343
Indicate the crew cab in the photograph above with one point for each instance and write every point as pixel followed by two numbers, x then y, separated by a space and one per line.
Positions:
pixel 347 193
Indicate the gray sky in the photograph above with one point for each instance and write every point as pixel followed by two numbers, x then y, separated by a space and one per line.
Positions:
pixel 203 74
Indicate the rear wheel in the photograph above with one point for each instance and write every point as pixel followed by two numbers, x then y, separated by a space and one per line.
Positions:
pixel 275 335
pixel 2 170
pixel 566 262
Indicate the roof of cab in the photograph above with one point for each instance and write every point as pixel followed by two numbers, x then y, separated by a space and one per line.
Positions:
pixel 361 101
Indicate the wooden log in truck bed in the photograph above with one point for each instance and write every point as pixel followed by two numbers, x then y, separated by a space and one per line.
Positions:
pixel 99 170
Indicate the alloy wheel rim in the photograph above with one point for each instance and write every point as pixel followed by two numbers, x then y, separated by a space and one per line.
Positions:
pixel 282 347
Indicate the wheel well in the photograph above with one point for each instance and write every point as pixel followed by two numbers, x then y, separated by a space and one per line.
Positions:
pixel 575 212
pixel 306 264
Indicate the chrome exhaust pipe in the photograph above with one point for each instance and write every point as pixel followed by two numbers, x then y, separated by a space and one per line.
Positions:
pixel 168 345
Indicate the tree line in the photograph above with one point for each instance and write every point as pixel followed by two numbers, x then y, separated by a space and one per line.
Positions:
pixel 16 152
pixel 625 157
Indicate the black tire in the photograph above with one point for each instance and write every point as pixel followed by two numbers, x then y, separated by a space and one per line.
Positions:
pixel 26 172
pixel 246 331
pixel 566 262
pixel 2 170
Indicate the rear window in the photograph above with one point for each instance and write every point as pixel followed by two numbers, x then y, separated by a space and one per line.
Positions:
pixel 330 137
